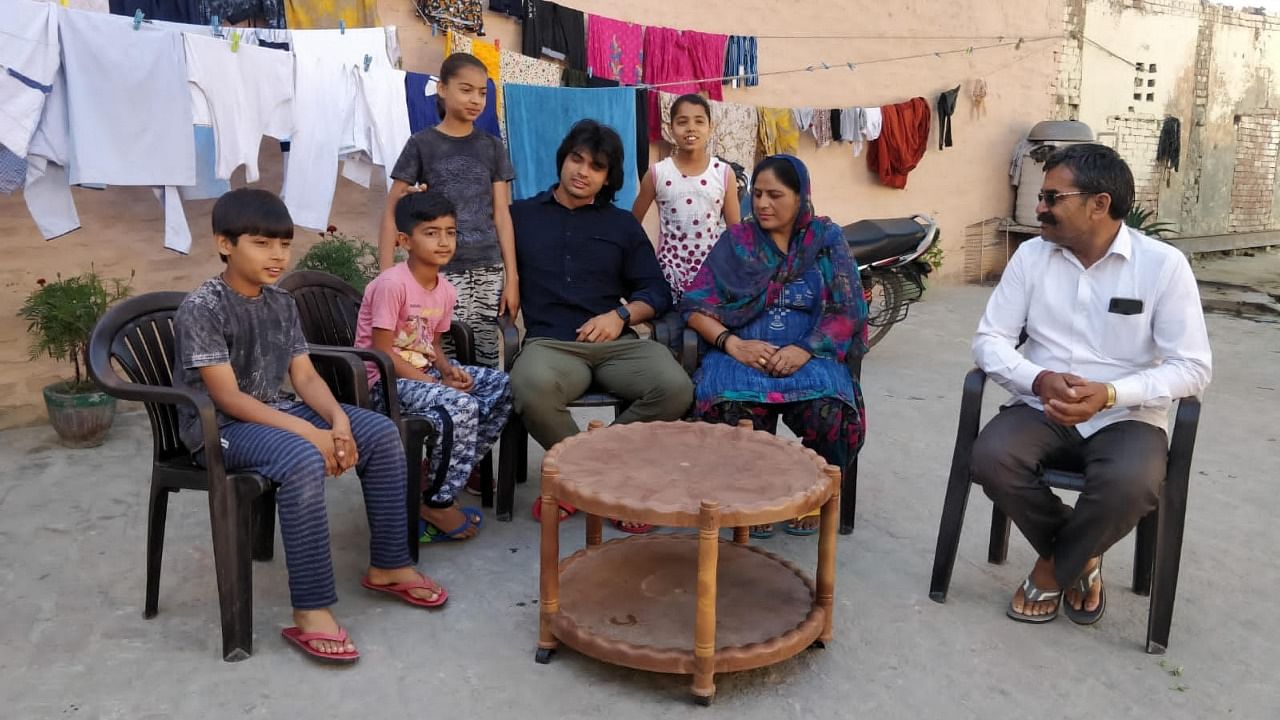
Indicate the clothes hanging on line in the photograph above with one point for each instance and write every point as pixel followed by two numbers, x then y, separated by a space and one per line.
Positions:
pixel 520 69
pixel 30 49
pixel 262 13
pixel 249 93
pixel 13 171
pixel 674 59
pixel 328 14
pixel 615 49
pixel 740 61
pixel 778 132
pixel 325 98
pixel 114 140
pixel 456 15
pixel 514 8
pixel 836 119
pixel 538 118
pixel 821 128
pixel 860 126
pixel 902 142
pixel 208 185
pixel 555 31
pixel 47 191
pixel 381 121
pixel 183 11
pixel 946 109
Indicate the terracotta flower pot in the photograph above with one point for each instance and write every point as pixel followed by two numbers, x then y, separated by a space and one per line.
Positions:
pixel 80 419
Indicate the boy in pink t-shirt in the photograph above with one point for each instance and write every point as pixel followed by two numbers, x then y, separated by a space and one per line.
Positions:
pixel 405 311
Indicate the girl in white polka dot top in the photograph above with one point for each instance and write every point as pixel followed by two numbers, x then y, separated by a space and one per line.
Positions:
pixel 697 195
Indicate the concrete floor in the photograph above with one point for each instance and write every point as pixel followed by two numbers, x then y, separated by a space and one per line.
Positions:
pixel 75 645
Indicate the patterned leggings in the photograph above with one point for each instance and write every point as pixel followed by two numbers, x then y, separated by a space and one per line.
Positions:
pixel 475 420
pixel 826 425
pixel 479 294
pixel 297 466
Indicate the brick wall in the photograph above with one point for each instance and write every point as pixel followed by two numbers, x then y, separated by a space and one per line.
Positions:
pixel 1137 138
pixel 1067 83
pixel 1254 180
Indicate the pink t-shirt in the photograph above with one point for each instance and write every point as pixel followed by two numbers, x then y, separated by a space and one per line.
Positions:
pixel 395 301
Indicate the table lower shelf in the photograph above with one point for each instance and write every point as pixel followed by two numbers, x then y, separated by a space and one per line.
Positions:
pixel 631 602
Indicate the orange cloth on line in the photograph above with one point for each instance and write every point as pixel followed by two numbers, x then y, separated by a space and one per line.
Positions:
pixel 904 135
pixel 325 14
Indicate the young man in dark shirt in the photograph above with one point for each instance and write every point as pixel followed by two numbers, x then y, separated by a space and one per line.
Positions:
pixel 588 273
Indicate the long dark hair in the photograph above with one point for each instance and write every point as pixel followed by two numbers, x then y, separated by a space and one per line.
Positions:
pixel 603 144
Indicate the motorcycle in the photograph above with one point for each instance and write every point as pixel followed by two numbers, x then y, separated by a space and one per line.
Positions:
pixel 889 254
pixel 890 257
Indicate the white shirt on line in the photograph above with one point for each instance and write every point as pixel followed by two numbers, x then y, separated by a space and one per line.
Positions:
pixel 1152 357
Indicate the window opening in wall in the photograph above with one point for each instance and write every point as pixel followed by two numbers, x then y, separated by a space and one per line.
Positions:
pixel 1136 96
pixel 1151 83
pixel 1140 67
pixel 1151 68
pixel 1151 97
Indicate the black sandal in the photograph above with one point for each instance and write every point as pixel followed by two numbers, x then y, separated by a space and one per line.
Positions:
pixel 1082 585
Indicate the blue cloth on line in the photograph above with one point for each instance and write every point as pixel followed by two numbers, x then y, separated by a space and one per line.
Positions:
pixel 740 55
pixel 13 171
pixel 208 186
pixel 420 94
pixel 538 118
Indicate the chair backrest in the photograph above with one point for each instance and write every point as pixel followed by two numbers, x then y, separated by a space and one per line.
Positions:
pixel 138 335
pixel 327 306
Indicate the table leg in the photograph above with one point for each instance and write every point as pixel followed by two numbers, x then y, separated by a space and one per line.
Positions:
pixel 704 627
pixel 741 535
pixel 549 603
pixel 827 552
pixel 595 530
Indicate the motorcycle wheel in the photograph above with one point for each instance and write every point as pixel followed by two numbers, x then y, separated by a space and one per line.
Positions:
pixel 883 296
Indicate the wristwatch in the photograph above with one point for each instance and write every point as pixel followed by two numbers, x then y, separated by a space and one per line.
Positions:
pixel 623 313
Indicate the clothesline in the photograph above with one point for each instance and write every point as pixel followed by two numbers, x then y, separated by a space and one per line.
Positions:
pixel 853 65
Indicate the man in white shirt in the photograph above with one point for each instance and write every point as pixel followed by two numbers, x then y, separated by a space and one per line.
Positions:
pixel 1114 335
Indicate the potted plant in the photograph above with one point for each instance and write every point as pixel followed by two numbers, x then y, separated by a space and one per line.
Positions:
pixel 347 256
pixel 60 317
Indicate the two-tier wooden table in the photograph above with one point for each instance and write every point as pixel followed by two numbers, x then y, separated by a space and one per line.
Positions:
pixel 684 603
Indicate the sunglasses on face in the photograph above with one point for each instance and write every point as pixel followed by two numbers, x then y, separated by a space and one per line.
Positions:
pixel 1051 197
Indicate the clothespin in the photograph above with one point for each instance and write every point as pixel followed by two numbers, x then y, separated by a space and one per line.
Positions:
pixel 214 29
pixel 938 55
pixel 137 19
pixel 64 3
pixel 851 66
pixel 367 59
pixel 1019 45
pixel 342 27
pixel 235 41
pixel 969 51
pixel 825 66
pixel 809 69
pixel 590 73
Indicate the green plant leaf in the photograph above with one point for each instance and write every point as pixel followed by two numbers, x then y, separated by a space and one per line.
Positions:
pixel 348 257
pixel 61 315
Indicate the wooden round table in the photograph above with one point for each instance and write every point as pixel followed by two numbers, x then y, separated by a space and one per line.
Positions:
pixel 684 603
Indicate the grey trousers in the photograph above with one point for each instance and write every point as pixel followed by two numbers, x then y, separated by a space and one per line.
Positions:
pixel 1124 467
pixel 550 374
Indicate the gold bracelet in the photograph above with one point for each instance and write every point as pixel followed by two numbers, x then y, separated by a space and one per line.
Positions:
pixel 1111 397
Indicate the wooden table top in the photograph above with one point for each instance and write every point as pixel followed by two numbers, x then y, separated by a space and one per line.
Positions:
pixel 662 472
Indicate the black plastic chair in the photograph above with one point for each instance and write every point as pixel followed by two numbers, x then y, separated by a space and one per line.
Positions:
pixel 328 308
pixel 513 453
pixel 1158 543
pixel 137 335
pixel 691 356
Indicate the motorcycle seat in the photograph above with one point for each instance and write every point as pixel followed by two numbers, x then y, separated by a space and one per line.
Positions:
pixel 871 241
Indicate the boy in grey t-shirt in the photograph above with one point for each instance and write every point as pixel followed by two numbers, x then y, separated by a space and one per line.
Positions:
pixel 237 338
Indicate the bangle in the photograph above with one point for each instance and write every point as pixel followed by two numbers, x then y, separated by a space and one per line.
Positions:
pixel 723 339
pixel 1111 397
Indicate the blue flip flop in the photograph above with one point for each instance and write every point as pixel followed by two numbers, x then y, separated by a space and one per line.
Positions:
pixel 763 534
pixel 429 533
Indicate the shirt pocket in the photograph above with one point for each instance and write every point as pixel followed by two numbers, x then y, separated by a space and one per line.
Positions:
pixel 1126 338
pixel 595 263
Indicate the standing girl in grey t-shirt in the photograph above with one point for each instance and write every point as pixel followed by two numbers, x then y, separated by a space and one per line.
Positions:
pixel 472 168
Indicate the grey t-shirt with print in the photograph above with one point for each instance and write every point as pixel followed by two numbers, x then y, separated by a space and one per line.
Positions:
pixel 464 169
pixel 257 336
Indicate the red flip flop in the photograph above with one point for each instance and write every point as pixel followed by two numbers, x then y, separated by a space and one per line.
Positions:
pixel 401 590
pixel 635 529
pixel 303 641
pixel 565 508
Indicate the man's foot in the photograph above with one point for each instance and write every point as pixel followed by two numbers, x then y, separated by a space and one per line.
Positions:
pixel 448 520
pixel 761 532
pixel 322 621
pixel 1038 598
pixel 1086 598
pixel 635 528
pixel 806 525
pixel 378 577
pixel 475 483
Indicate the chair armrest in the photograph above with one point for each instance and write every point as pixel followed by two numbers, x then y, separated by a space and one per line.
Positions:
pixel 356 358
pixel 510 341
pixel 689 351
pixel 1182 443
pixel 464 342
pixel 353 370
pixel 971 403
